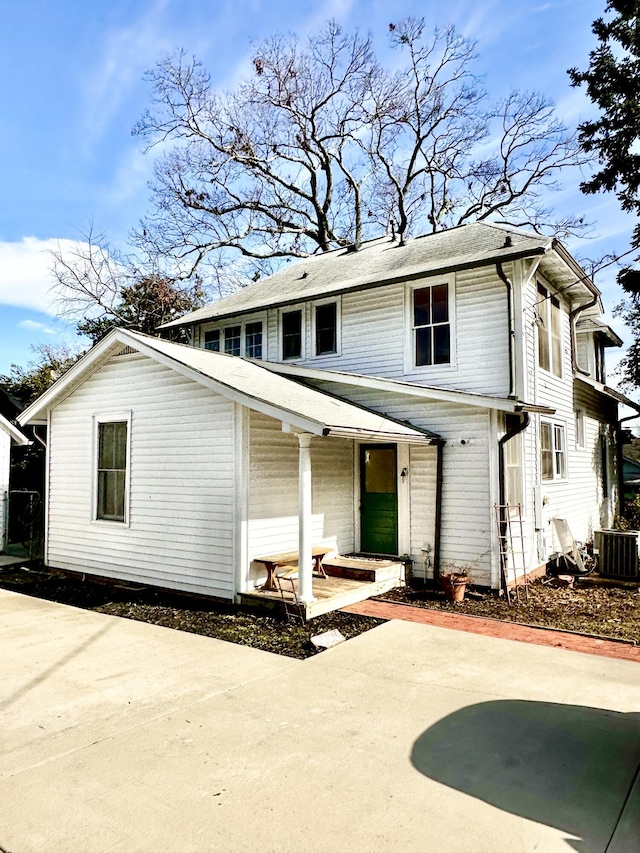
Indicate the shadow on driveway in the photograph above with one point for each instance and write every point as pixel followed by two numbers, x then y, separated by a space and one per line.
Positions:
pixel 566 766
pixel 48 672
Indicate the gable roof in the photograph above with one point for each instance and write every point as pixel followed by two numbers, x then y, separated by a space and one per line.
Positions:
pixel 14 432
pixel 244 382
pixel 384 261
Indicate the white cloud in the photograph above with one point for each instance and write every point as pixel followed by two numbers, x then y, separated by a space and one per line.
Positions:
pixel 25 272
pixel 34 326
pixel 127 53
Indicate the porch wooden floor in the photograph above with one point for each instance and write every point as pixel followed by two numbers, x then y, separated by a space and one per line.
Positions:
pixel 331 593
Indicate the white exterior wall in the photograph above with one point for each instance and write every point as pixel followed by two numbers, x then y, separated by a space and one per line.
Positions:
pixel 273 492
pixel 180 533
pixel 578 497
pixel 5 467
pixel 468 531
pixel 376 339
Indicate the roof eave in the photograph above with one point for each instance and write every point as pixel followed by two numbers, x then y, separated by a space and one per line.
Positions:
pixel 365 284
pixel 18 437
pixel 609 392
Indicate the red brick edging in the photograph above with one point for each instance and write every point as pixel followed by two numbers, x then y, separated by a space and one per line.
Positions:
pixel 495 628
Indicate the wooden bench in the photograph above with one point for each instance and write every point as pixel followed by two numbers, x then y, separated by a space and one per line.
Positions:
pixel 289 560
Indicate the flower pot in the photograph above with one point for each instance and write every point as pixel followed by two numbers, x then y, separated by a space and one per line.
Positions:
pixel 454 587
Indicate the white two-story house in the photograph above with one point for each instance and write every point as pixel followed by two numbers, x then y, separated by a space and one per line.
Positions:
pixel 422 400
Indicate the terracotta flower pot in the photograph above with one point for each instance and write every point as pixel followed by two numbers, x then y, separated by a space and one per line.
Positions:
pixel 454 587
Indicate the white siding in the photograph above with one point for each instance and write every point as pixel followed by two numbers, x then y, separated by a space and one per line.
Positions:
pixel 181 481
pixel 273 491
pixel 376 335
pixel 422 473
pixel 578 497
pixel 5 462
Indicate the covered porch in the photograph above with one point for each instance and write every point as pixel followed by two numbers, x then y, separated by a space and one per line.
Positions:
pixel 341 495
pixel 346 580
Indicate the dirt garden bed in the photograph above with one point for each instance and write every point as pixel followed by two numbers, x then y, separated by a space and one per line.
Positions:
pixel 590 607
pixel 185 613
pixel 611 611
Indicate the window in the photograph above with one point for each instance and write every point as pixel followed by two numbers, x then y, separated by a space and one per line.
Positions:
pixel 253 340
pixel 598 350
pixel 513 471
pixel 549 314
pixel 212 340
pixel 232 338
pixel 431 325
pixel 112 470
pixel 553 454
pixel 291 334
pixel 326 322
pixel 580 429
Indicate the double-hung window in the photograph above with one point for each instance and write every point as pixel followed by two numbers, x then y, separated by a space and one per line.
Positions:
pixel 431 325
pixel 212 340
pixel 291 334
pixel 553 451
pixel 326 328
pixel 112 467
pixel 253 340
pixel 232 340
pixel 549 315
pixel 514 474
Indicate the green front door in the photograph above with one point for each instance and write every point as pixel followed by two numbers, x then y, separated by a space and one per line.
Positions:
pixel 378 499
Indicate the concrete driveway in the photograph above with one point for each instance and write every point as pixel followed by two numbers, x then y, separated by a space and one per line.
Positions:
pixel 121 736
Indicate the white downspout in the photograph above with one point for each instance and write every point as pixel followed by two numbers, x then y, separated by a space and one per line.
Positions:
pixel 305 557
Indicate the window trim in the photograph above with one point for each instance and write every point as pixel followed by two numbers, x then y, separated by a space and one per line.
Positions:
pixel 289 309
pixel 337 301
pixel 555 425
pixel 544 325
pixel 109 418
pixel 410 365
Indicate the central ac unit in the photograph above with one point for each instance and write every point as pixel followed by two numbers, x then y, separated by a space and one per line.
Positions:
pixel 618 553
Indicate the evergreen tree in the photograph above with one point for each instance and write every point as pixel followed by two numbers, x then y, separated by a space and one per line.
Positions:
pixel 613 84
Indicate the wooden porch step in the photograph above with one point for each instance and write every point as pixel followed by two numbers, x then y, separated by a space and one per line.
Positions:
pixel 361 569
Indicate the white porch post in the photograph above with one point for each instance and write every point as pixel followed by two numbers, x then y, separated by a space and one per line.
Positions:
pixel 305 558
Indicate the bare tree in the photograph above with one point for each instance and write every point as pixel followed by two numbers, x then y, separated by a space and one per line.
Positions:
pixel 322 147
pixel 100 289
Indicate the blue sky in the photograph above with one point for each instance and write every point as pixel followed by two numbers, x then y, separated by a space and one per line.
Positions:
pixel 73 88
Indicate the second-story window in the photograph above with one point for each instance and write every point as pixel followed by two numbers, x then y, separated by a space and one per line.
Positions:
pixel 212 340
pixel 431 325
pixel 291 334
pixel 326 329
pixel 232 336
pixel 253 340
pixel 549 313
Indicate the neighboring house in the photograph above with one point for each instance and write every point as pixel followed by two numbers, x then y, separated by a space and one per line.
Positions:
pixel 631 477
pixel 8 434
pixel 386 401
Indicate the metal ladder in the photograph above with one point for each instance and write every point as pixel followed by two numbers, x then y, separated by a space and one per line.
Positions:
pixel 512 550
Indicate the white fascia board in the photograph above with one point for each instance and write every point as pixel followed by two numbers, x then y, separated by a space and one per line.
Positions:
pixel 367 435
pixel 400 387
pixel 36 413
pixel 14 432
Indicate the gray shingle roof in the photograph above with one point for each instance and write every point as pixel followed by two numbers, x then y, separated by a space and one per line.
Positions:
pixel 246 382
pixel 376 262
